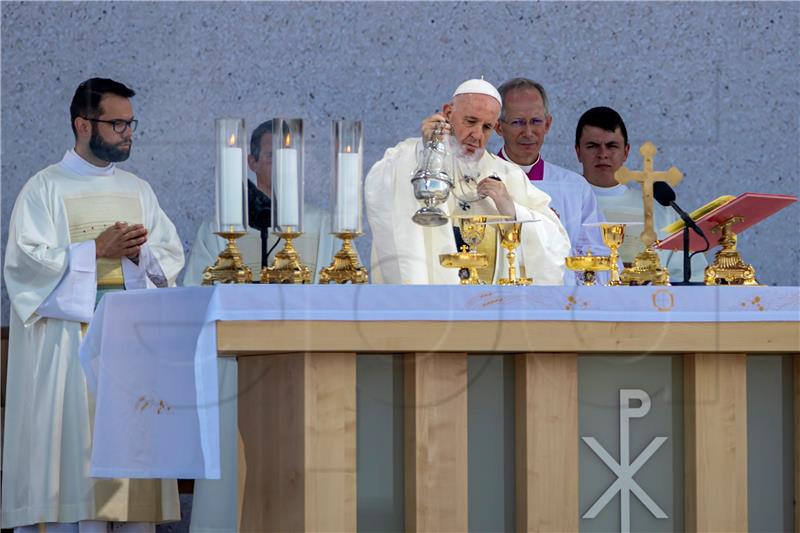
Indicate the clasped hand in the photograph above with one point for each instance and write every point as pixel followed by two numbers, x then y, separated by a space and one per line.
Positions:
pixel 121 240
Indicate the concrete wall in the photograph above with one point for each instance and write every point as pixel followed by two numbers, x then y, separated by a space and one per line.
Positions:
pixel 714 85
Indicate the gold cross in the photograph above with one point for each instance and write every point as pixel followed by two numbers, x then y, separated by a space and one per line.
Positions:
pixel 646 177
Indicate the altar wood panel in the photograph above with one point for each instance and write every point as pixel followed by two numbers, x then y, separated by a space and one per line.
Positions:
pixel 297 418
pixel 546 411
pixel 505 336
pixel 715 432
pixel 796 384
pixel 436 497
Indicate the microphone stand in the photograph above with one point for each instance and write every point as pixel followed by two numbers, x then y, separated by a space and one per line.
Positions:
pixel 264 254
pixel 687 259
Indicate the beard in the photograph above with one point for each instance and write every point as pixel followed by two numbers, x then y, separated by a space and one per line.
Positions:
pixel 113 153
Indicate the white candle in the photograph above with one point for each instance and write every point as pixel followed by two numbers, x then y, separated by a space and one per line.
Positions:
pixel 287 190
pixel 231 202
pixel 347 186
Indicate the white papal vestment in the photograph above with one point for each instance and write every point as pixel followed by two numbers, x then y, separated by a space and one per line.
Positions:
pixel 404 252
pixel 51 275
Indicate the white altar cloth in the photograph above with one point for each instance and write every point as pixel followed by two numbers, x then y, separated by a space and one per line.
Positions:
pixel 150 356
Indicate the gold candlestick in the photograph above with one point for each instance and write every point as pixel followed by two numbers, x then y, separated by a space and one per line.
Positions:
pixel 510 235
pixel 229 267
pixel 728 267
pixel 286 267
pixel 346 265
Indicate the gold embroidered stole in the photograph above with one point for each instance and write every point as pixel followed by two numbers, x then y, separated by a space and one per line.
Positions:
pixel 90 215
pixel 488 246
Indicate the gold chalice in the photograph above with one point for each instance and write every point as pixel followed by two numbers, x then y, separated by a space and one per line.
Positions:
pixel 588 264
pixel 613 235
pixel 510 235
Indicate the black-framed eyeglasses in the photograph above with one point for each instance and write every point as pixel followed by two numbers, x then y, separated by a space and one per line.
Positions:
pixel 117 125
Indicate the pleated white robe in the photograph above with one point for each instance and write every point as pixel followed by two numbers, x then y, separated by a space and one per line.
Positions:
pixel 48 425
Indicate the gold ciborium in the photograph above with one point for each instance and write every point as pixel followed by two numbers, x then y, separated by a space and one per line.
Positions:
pixel 588 264
pixel 510 235
pixel 468 260
pixel 346 266
pixel 229 267
pixel 467 263
pixel 613 236
pixel 286 267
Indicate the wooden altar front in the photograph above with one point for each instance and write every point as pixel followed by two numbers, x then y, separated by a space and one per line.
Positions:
pixel 297 415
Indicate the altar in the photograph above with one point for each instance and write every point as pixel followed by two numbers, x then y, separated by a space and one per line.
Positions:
pixel 437 408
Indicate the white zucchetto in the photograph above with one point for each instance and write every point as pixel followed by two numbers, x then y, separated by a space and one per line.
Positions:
pixel 476 86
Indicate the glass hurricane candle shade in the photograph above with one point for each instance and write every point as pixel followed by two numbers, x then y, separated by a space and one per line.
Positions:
pixel 287 175
pixel 348 145
pixel 231 175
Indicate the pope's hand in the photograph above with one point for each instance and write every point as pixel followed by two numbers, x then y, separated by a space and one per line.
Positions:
pixel 429 125
pixel 496 190
pixel 121 240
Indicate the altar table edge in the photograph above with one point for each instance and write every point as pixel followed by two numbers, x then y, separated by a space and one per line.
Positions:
pixel 250 337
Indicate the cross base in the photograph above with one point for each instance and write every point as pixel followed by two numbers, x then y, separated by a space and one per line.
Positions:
pixel 646 269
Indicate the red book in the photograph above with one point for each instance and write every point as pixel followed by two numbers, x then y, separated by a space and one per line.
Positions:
pixel 753 207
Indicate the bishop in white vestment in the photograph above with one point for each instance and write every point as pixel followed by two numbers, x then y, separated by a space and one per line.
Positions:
pixel 404 252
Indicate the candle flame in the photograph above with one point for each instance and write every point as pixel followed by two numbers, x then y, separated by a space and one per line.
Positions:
pixel 348 149
pixel 287 141
pixel 232 140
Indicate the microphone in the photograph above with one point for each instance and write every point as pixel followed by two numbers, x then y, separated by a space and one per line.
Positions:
pixel 259 208
pixel 664 195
